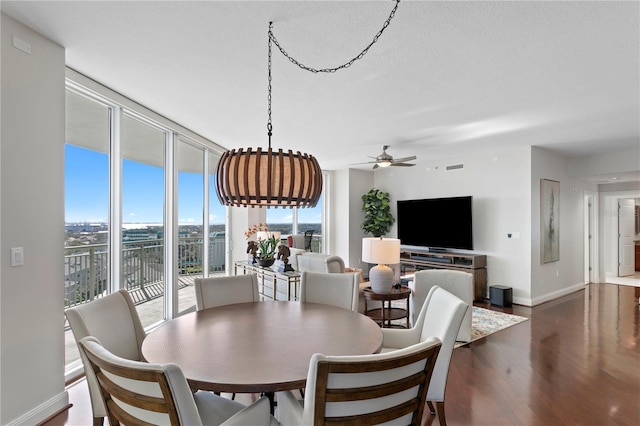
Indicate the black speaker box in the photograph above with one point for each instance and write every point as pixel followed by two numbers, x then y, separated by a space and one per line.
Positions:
pixel 501 295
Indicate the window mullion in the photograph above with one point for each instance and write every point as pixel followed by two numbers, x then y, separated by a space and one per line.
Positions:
pixel 171 226
pixel 115 199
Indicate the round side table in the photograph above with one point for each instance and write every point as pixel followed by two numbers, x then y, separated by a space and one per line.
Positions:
pixel 386 313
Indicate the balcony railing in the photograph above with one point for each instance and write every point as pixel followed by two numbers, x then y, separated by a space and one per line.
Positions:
pixel 87 266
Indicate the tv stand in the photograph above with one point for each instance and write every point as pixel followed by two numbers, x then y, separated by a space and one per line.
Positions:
pixel 437 250
pixel 413 260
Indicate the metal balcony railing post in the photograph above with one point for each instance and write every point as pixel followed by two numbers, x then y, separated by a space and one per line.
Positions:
pixel 142 261
pixel 92 273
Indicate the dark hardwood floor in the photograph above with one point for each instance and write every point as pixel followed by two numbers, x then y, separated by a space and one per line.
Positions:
pixel 575 362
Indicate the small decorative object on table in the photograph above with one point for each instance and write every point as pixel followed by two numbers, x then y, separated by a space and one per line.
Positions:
pixel 252 249
pixel 283 254
pixel 265 263
pixel 267 245
pixel 252 244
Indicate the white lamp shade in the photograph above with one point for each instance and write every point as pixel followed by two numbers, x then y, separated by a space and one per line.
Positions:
pixel 381 250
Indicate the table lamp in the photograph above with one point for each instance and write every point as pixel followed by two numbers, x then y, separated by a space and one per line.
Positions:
pixel 381 251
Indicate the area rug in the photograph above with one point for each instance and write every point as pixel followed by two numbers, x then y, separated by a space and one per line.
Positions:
pixel 485 322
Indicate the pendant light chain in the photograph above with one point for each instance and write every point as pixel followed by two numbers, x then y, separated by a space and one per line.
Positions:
pixel 329 70
pixel 275 179
pixel 269 125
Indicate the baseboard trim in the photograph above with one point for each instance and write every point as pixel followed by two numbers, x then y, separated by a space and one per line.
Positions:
pixel 556 294
pixel 44 411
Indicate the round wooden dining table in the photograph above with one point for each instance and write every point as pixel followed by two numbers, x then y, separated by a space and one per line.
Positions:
pixel 260 346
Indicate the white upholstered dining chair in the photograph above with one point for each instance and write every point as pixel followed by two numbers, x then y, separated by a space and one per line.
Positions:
pixel 137 392
pixel 223 290
pixel 458 283
pixel 440 316
pixel 335 289
pixel 113 320
pixel 364 389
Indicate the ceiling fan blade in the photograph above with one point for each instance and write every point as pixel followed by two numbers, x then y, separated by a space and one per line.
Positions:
pixel 375 166
pixel 402 160
pixel 366 162
pixel 402 164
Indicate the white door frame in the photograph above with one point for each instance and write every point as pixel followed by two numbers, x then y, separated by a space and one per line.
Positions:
pixel 591 271
pixel 608 231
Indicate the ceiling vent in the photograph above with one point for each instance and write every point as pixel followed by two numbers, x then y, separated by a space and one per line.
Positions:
pixel 455 167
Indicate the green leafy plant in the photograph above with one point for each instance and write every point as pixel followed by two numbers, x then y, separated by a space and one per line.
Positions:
pixel 377 213
pixel 267 247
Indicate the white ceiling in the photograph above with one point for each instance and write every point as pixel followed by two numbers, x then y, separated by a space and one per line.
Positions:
pixel 445 78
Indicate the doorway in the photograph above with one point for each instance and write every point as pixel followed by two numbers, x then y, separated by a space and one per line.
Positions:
pixel 609 246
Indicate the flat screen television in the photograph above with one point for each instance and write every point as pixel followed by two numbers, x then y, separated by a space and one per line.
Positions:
pixel 436 223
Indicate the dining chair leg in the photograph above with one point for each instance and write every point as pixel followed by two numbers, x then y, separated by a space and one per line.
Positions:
pixel 440 411
pixel 272 400
pixel 431 409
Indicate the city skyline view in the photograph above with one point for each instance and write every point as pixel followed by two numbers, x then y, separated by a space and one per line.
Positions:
pixel 87 194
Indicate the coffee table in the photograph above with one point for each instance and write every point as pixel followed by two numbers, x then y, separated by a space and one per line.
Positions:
pixel 258 347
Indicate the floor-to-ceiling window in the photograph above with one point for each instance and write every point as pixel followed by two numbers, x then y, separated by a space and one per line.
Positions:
pixel 86 260
pixel 137 186
pixel 299 221
pixel 143 228
pixel 190 259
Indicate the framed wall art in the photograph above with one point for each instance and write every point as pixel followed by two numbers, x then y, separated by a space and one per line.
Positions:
pixel 549 221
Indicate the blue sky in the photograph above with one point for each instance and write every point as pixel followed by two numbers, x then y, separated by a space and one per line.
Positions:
pixel 87 189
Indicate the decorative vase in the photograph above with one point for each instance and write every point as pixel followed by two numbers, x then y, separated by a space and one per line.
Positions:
pixel 381 279
pixel 265 263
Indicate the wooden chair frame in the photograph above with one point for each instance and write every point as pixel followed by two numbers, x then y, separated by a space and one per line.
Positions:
pixel 416 405
pixel 111 390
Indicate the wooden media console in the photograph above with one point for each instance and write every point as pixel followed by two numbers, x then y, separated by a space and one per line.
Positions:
pixel 412 260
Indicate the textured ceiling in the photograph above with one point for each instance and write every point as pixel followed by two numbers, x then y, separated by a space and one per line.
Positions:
pixel 445 77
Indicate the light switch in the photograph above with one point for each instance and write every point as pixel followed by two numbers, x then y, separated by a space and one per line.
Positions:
pixel 17 256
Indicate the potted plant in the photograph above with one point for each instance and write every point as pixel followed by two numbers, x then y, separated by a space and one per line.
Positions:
pixel 267 247
pixel 377 213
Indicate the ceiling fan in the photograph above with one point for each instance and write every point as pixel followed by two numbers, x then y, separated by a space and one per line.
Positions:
pixel 386 160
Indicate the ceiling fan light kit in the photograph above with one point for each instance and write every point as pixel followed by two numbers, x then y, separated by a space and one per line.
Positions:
pixel 270 178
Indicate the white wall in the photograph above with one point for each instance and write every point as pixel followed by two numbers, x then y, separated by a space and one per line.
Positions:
pixel 32 217
pixel 241 219
pixel 625 161
pixel 499 182
pixel 554 279
pixel 347 188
